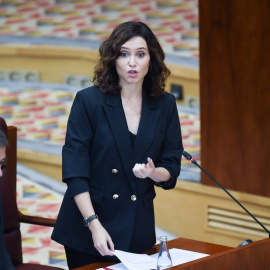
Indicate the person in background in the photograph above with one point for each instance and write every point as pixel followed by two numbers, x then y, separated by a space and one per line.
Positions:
pixel 5 261
pixel 123 138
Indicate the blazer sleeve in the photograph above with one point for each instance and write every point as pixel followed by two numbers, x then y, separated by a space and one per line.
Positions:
pixel 75 152
pixel 172 147
pixel 7 264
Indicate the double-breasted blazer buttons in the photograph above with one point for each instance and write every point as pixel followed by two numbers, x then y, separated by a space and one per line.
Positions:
pixel 115 196
pixel 133 197
pixel 114 171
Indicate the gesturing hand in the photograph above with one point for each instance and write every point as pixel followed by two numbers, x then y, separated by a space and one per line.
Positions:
pixel 101 238
pixel 144 170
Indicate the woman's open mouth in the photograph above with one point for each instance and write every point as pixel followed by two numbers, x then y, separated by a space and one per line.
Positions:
pixel 132 73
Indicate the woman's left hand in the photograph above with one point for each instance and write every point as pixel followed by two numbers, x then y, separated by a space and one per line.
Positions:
pixel 144 170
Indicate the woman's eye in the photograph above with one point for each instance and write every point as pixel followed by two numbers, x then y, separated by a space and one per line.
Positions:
pixel 140 54
pixel 124 54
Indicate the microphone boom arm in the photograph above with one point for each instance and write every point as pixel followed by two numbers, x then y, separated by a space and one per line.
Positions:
pixel 190 158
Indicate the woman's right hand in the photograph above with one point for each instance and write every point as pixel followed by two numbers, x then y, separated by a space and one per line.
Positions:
pixel 101 238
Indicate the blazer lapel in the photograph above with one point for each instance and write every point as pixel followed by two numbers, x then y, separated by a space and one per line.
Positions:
pixel 117 121
pixel 147 128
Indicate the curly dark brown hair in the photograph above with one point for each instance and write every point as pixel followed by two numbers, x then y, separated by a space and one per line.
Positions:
pixel 105 74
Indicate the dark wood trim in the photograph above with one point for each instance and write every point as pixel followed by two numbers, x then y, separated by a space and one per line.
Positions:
pixel 234 93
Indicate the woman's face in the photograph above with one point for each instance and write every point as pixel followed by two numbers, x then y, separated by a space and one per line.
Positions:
pixel 133 63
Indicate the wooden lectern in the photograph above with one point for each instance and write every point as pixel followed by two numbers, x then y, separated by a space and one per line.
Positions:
pixel 249 257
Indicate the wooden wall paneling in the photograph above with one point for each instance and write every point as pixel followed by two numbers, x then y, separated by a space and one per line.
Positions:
pixel 234 93
pixel 53 62
pixel 188 78
pixel 47 164
pixel 206 213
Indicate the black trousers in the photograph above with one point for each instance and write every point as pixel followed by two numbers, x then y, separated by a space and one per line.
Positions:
pixel 77 259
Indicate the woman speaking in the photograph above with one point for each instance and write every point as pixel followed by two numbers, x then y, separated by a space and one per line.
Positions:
pixel 123 138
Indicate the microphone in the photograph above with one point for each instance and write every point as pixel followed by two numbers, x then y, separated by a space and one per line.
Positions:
pixel 190 158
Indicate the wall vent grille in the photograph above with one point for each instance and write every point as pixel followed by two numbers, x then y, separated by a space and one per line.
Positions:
pixel 231 220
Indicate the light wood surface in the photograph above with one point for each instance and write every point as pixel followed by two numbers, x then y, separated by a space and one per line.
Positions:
pixel 195 211
pixel 47 164
pixel 54 62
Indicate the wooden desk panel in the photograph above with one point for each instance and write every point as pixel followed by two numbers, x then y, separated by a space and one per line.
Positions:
pixel 248 257
pixel 180 243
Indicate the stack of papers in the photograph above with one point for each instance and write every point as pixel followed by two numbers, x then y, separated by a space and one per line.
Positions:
pixel 131 261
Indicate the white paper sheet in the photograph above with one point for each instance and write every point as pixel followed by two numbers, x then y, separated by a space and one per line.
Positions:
pixel 134 261
pixel 131 261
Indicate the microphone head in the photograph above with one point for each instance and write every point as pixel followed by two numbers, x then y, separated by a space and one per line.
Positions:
pixel 246 242
pixel 186 155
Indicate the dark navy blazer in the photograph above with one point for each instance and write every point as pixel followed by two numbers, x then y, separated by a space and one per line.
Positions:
pixel 98 157
pixel 5 261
